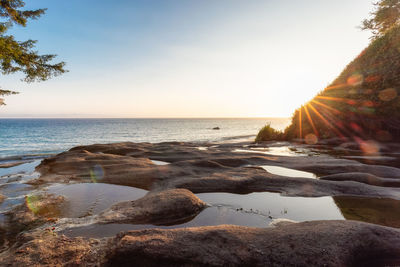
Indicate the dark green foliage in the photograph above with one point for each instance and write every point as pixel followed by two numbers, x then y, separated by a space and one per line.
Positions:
pixel 16 56
pixel 363 102
pixel 267 133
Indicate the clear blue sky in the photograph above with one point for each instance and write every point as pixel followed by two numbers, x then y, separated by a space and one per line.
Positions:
pixel 186 58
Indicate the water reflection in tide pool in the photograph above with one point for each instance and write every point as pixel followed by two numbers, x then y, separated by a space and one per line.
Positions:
pixel 277 206
pixel 159 162
pixel 282 171
pixel 91 198
pixel 254 210
pixel 382 211
pixel 209 217
pixel 274 151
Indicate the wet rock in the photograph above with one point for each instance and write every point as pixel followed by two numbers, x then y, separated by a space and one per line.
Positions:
pixel 160 208
pixel 318 243
pixel 85 166
pixel 214 170
pixel 216 128
pixel 166 151
pixel 365 178
pixel 250 180
pixel 327 165
pixel 371 158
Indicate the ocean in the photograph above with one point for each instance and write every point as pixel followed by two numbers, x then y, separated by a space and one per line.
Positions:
pixel 30 138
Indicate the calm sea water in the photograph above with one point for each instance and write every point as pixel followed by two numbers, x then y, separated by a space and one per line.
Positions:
pixel 24 137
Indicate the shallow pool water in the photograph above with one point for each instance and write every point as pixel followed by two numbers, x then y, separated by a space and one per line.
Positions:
pixel 11 202
pixel 158 162
pixel 12 186
pixel 23 168
pixel 382 211
pixel 263 210
pixel 86 199
pixel 13 190
pixel 254 210
pixel 282 171
pixel 274 151
pixel 277 206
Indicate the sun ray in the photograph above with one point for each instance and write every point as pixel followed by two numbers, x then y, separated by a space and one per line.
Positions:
pixel 338 86
pixel 326 106
pixel 338 99
pixel 300 123
pixel 338 123
pixel 311 121
pixel 325 120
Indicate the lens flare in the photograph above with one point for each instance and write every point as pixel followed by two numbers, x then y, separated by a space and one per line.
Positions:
pixel 368 147
pixel 355 79
pixel 96 173
pixel 372 78
pixel 388 94
pixel 311 139
pixel 368 103
pixel 355 127
pixel 33 203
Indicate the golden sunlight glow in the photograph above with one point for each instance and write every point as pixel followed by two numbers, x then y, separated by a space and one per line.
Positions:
pixel 325 120
pixel 310 120
pixel 338 99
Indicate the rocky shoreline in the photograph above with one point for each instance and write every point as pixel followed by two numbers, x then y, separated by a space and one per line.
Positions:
pixel 173 173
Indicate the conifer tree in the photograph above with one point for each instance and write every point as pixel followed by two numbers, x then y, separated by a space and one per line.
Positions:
pixel 20 56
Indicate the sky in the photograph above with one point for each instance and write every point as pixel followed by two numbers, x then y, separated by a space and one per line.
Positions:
pixel 186 58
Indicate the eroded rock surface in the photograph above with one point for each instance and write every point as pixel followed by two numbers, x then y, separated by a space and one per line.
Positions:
pixel 46 248
pixel 160 208
pixel 318 243
pixel 85 166
pixel 217 168
pixel 365 178
pixel 36 210
pixel 191 169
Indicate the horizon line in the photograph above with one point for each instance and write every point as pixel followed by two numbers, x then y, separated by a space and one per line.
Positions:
pixel 144 117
